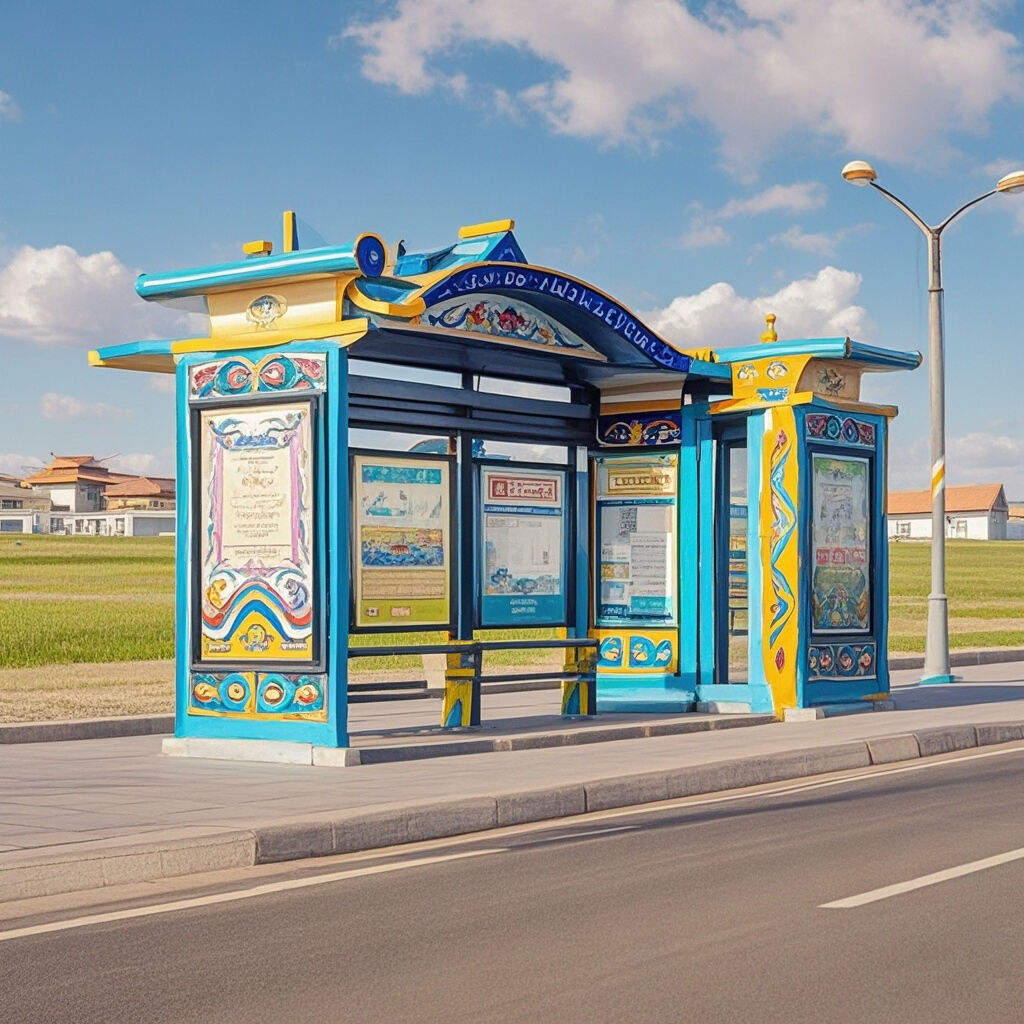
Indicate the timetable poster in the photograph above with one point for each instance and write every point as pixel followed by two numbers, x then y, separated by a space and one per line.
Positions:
pixel 402 541
pixel 523 536
pixel 840 528
pixel 636 518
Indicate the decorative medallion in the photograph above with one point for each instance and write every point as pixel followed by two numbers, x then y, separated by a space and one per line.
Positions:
pixel 264 310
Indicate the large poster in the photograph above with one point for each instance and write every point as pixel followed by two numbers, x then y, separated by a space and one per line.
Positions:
pixel 256 587
pixel 523 522
pixel 636 518
pixel 840 530
pixel 401 525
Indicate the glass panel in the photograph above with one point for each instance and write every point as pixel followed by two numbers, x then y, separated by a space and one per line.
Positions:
pixel 737 624
pixel 393 441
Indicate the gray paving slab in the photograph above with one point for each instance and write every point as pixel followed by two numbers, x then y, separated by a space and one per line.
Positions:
pixel 70 795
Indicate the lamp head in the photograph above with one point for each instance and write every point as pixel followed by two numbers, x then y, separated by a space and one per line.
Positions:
pixel 859 172
pixel 1012 182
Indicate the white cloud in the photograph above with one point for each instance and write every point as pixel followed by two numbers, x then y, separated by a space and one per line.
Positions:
pixel 19 465
pixel 57 297
pixel 812 307
pixel 139 463
pixel 702 235
pixel 884 77
pixel 797 238
pixel 9 110
pixel 54 406
pixel 796 198
pixel 978 457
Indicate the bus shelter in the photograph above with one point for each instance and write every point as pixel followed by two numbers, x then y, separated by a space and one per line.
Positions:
pixel 697 528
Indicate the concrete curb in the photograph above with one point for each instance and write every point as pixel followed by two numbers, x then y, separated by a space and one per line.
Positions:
pixel 86 729
pixel 960 659
pixel 24 876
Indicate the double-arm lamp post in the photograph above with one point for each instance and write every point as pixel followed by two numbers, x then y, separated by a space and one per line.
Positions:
pixel 936 659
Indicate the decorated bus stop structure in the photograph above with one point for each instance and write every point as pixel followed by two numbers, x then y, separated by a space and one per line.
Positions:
pixel 701 529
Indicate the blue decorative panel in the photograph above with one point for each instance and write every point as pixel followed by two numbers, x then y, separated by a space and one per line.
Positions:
pixel 841 661
pixel 640 429
pixel 839 429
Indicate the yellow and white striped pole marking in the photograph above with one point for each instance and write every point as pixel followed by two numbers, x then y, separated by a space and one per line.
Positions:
pixel 938 476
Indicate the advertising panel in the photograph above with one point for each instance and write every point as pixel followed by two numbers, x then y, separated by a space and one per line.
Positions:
pixel 523 536
pixel 636 521
pixel 840 531
pixel 401 522
pixel 256 594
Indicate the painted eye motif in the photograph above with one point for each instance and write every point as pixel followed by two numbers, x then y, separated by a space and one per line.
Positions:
pixel 236 691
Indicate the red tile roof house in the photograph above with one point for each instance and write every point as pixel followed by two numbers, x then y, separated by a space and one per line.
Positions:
pixel 88 498
pixel 975 512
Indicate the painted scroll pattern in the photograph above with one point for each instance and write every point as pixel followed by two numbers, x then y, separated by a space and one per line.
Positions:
pixel 227 378
pixel 839 430
pixel 257 567
pixel 505 318
pixel 258 695
pixel 841 661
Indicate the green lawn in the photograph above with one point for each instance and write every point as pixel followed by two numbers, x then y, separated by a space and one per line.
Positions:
pixel 65 600
pixel 984 584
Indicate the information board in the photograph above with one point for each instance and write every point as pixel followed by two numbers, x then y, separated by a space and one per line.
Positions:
pixel 523 537
pixel 636 520
pixel 840 532
pixel 256 595
pixel 401 523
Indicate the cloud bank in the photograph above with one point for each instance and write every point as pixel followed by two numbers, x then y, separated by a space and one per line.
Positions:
pixel 57 297
pixel 883 77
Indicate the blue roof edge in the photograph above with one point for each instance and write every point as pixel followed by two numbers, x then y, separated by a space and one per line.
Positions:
pixel 828 348
pixel 366 255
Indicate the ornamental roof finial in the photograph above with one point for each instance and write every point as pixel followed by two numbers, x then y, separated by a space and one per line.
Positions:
pixel 769 333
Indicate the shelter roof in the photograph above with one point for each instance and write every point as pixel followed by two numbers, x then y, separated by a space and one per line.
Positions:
pixel 970 498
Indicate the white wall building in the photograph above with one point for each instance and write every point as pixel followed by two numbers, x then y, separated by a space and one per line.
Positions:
pixel 975 512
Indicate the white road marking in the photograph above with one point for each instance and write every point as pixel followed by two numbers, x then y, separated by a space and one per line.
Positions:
pixel 240 894
pixel 783 789
pixel 919 883
pixel 587 834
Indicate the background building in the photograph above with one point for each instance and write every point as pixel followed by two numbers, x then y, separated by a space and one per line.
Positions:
pixel 975 512
pixel 77 494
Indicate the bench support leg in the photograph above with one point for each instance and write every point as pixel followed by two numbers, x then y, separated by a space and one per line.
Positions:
pixel 461 705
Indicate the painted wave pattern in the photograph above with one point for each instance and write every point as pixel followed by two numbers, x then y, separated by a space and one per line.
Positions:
pixel 783 525
pixel 292 621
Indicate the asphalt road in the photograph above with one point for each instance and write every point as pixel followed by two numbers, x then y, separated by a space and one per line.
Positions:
pixel 704 911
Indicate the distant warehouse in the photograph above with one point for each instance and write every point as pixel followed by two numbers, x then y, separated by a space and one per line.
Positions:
pixel 975 512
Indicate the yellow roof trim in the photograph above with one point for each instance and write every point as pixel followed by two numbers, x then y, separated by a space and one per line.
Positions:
pixel 491 227
pixel 350 330
pixel 405 310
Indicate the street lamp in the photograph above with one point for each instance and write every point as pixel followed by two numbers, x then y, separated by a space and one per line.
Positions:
pixel 936 655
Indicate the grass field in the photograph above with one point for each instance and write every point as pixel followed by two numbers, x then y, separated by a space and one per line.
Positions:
pixel 84 606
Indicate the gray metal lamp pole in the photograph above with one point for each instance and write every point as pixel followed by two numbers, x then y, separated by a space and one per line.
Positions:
pixel 936 656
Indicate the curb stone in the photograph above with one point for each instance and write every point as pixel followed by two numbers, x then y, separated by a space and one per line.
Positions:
pixel 52 873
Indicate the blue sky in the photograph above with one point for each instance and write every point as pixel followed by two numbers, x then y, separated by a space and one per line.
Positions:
pixel 683 157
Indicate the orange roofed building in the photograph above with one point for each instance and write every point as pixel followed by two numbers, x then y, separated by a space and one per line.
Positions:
pixel 974 512
pixel 85 497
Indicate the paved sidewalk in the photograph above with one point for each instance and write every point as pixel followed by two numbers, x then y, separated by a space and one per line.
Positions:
pixel 82 814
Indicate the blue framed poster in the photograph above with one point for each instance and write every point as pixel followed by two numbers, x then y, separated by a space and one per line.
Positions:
pixel 636 523
pixel 523 563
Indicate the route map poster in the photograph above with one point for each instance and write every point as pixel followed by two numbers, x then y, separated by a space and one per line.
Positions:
pixel 636 518
pixel 256 588
pixel 401 523
pixel 840 528
pixel 523 536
